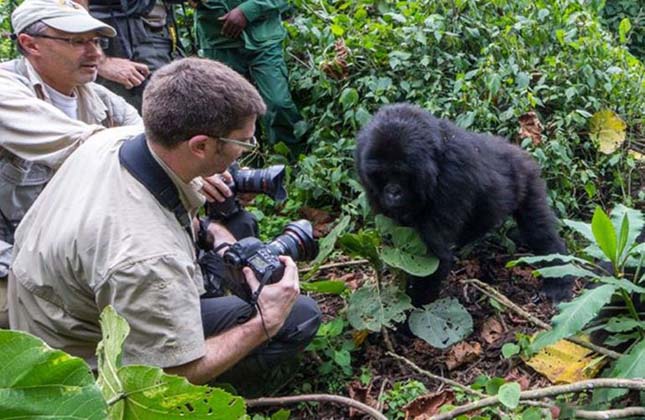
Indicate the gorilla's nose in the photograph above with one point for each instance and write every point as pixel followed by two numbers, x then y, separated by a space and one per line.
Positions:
pixel 393 194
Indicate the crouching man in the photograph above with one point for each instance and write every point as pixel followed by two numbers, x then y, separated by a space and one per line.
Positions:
pixel 113 227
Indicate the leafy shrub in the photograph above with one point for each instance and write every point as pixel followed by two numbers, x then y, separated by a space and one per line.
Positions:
pixel 483 64
pixel 612 240
pixel 614 14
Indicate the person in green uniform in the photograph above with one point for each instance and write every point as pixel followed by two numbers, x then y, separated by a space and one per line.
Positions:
pixel 247 36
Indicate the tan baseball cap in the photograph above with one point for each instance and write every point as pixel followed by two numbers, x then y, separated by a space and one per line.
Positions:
pixel 64 15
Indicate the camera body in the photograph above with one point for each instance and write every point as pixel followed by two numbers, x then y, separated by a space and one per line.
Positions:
pixel 267 181
pixel 296 241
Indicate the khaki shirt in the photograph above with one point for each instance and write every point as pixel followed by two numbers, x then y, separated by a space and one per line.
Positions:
pixel 97 237
pixel 36 137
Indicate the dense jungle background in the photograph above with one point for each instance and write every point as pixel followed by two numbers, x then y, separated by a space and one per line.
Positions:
pixel 562 78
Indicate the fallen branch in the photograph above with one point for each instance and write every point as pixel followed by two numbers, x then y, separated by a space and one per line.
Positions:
pixel 491 292
pixel 619 413
pixel 282 401
pixel 634 384
pixel 436 377
pixel 334 265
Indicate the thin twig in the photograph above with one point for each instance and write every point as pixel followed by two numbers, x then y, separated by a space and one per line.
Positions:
pixel 618 413
pixel 379 402
pixel 334 265
pixel 637 384
pixel 436 377
pixel 281 401
pixel 389 344
pixel 495 294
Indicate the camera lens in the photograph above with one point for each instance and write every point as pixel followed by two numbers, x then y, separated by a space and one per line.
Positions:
pixel 297 241
pixel 267 181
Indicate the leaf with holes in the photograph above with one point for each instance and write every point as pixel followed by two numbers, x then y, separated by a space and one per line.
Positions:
pixel 371 310
pixel 441 323
pixel 143 392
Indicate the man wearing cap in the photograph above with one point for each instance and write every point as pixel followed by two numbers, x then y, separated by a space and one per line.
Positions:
pixel 48 106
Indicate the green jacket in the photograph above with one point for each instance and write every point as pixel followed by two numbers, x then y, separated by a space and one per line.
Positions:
pixel 264 25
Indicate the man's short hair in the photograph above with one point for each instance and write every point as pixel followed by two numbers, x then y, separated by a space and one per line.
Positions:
pixel 35 28
pixel 195 96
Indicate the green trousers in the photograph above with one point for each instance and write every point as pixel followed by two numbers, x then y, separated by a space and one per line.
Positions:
pixel 267 70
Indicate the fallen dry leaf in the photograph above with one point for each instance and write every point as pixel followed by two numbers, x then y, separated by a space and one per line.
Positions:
pixel 320 219
pixel 516 376
pixel 530 126
pixel 492 330
pixel 428 405
pixel 462 353
pixel 566 362
pixel 359 392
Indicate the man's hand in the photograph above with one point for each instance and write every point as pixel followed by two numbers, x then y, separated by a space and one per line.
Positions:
pixel 216 187
pixel 276 299
pixel 233 23
pixel 123 71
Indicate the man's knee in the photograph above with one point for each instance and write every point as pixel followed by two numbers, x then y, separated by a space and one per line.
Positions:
pixel 301 324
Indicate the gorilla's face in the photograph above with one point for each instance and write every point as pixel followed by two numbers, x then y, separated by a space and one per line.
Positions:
pixel 391 193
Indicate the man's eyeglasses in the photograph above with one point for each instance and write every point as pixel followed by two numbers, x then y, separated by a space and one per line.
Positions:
pixel 98 41
pixel 250 143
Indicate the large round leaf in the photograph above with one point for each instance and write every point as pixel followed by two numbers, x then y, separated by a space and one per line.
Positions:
pixel 441 323
pixel 371 309
pixel 39 382
pixel 417 265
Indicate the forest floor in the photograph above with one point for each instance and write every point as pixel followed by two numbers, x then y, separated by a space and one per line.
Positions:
pixel 479 354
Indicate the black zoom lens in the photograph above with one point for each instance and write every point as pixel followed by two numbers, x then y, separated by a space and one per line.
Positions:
pixel 297 241
pixel 267 181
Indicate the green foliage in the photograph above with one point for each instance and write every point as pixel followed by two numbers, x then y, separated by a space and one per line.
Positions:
pixel 616 13
pixel 613 238
pixel 401 394
pixel 143 392
pixel 7 46
pixel 37 381
pixel 509 394
pixel 372 308
pixel 334 347
pixel 483 64
pixel 441 323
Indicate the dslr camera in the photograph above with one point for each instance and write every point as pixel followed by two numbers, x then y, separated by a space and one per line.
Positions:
pixel 296 241
pixel 263 181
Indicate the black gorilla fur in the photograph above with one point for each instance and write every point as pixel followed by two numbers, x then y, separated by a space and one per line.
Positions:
pixel 453 186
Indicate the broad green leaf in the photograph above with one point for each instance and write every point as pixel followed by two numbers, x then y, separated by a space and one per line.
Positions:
pixel 109 352
pixel 635 224
pixel 152 394
pixel 144 392
pixel 582 228
pixel 363 244
pixel 441 323
pixel 623 29
pixel 509 350
pixel 623 324
pixel 623 284
pixel 629 366
pixel 623 234
pixel 370 310
pixel 417 265
pixel 326 245
pixel 545 258
pixel 604 233
pixel 38 382
pixel 401 237
pixel 494 384
pixel 574 315
pixel 282 414
pixel 565 270
pixel 607 130
pixel 509 394
pixel 349 98
pixel 332 287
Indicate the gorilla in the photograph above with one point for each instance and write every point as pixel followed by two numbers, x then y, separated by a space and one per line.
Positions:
pixel 452 186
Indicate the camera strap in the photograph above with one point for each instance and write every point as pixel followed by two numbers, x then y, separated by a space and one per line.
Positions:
pixel 136 157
